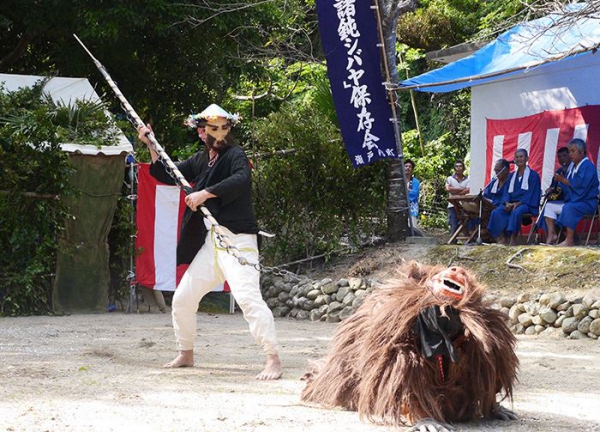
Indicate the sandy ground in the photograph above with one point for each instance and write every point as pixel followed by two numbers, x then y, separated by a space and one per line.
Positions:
pixel 103 373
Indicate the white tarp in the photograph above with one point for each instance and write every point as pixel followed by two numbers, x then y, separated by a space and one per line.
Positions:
pixel 67 90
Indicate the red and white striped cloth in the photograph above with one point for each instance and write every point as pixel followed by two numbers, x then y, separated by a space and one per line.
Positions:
pixel 159 212
pixel 542 135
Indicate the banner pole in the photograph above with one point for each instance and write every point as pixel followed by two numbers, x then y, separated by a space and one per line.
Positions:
pixel 392 100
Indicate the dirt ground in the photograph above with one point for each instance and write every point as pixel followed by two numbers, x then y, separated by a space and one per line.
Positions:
pixel 103 372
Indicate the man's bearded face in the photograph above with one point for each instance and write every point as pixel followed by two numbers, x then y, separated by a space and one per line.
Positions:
pixel 218 133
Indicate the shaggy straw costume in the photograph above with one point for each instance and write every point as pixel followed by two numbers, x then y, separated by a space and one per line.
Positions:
pixel 423 347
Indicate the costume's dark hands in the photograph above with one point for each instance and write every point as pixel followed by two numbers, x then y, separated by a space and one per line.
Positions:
pixel 143 132
pixel 431 425
pixel 501 413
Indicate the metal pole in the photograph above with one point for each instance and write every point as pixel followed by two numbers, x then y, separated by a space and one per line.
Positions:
pixel 131 276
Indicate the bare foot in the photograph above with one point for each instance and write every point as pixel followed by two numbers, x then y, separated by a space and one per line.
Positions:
pixel 184 359
pixel 551 240
pixel 566 243
pixel 272 369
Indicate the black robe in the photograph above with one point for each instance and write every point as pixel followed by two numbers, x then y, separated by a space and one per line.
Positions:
pixel 230 180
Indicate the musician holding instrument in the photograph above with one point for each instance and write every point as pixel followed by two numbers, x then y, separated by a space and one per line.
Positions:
pixel 222 182
pixel 580 186
pixel 554 191
pixel 524 191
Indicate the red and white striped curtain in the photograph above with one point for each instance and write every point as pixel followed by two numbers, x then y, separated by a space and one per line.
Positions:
pixel 160 209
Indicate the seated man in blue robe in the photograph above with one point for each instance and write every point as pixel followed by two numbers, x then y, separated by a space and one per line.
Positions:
pixel 497 189
pixel 581 194
pixel 524 191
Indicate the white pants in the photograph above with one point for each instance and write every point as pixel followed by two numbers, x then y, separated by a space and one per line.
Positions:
pixel 553 209
pixel 211 266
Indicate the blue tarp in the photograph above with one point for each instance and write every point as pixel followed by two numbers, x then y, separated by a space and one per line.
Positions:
pixel 533 44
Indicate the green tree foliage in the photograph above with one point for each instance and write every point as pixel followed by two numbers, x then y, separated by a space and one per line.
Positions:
pixel 313 199
pixel 34 169
pixel 444 118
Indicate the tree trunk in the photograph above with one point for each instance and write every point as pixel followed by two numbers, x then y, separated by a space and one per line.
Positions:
pixel 398 207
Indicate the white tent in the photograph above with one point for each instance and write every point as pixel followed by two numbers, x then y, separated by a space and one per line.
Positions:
pixel 535 87
pixel 67 90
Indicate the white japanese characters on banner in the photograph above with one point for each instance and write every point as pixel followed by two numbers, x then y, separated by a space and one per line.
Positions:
pixel 349 34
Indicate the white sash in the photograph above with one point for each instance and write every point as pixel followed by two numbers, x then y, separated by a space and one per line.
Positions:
pixel 524 183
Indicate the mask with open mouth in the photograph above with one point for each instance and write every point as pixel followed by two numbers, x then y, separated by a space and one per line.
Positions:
pixel 449 283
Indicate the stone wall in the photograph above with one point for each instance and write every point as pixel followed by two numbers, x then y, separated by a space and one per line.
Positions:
pixel 332 301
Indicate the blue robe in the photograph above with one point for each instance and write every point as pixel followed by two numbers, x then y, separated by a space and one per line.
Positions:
pixel 500 196
pixel 413 196
pixel 581 197
pixel 502 221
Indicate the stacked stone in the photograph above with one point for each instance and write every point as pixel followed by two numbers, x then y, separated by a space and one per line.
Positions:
pixel 575 318
pixel 323 300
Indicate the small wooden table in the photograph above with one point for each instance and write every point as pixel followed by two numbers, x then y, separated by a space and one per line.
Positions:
pixel 468 207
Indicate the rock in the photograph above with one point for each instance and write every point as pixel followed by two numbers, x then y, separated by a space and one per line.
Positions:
pixel 549 331
pixel 313 294
pixel 302 315
pixel 342 293
pixel 354 283
pixel 579 311
pixel 563 306
pixel 525 319
pixel 595 326
pixel 329 288
pixel 569 312
pixel 281 311
pixel 523 297
pixel 584 325
pixel 559 320
pixel 315 315
pixel 358 301
pixel 519 329
pixel 283 297
pixel 555 300
pixel 514 312
pixel 360 293
pixel 507 302
pixel 544 299
pixel 308 305
pixel 343 282
pixel 320 301
pixel 334 307
pixel 538 320
pixel 530 331
pixel 332 318
pixel 272 303
pixel 346 312
pixel 569 325
pixel 594 313
pixel 548 314
pixel 577 335
pixel 505 310
pixel 590 298
pixel 596 305
pixel 592 335
pixel 348 299
pixel 531 307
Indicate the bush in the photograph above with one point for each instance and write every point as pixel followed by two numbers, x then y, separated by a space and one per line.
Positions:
pixel 33 169
pixel 313 199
